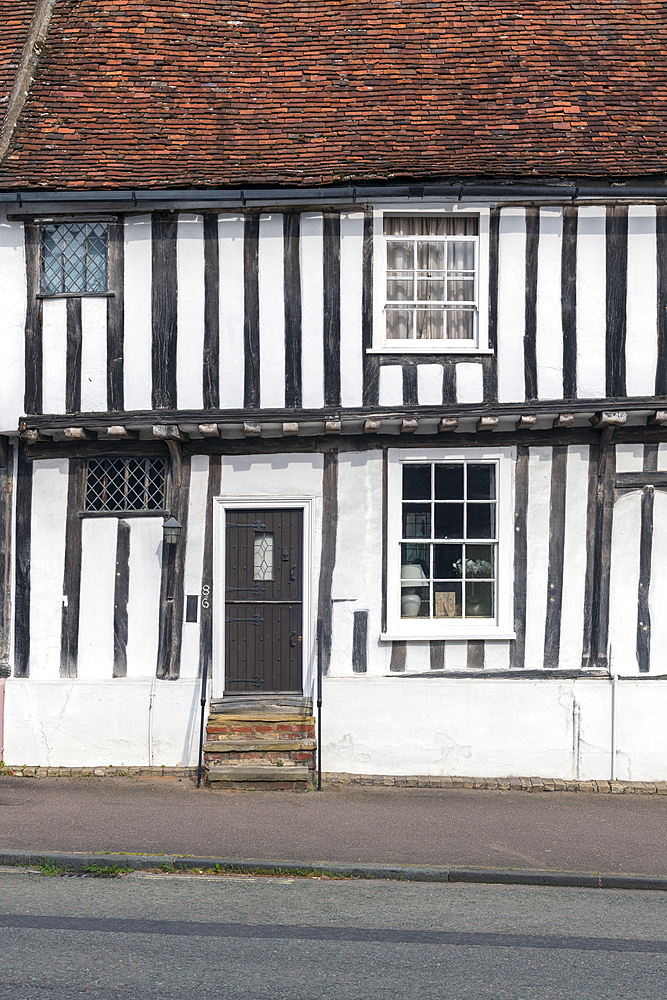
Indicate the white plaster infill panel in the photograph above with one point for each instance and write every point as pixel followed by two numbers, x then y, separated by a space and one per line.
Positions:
pixel 93 355
pixel 54 361
pixel 549 339
pixel 641 343
pixel 190 311
pixel 429 385
pixel 469 383
pixel 47 564
pixel 143 606
pixel 574 559
pixel 537 533
pixel 351 246
pixel 232 298
pixel 13 298
pixel 311 251
pixel 657 595
pixel 79 723
pixel 511 304
pixel 591 302
pixel 629 457
pixel 271 312
pixel 391 385
pixel 138 341
pixel 624 582
pixel 194 561
pixel 96 612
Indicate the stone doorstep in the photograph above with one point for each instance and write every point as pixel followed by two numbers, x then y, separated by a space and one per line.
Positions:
pixel 259 716
pixel 244 746
pixel 263 772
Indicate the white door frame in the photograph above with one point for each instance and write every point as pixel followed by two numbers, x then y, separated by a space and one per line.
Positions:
pixel 220 507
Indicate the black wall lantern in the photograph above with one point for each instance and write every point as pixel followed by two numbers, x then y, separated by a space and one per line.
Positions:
pixel 171 531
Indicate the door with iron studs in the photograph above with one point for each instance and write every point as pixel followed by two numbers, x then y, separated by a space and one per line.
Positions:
pixel 263 601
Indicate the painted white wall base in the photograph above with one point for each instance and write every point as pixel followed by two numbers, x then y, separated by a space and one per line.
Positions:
pixel 492 727
pixel 79 723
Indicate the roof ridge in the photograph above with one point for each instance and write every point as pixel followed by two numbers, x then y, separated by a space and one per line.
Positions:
pixel 32 50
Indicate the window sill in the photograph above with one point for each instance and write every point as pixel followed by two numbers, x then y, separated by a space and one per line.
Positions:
pixel 124 513
pixel 75 295
pixel 462 635
pixel 409 347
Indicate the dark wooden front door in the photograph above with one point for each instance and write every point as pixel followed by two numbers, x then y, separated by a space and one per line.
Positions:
pixel 263 601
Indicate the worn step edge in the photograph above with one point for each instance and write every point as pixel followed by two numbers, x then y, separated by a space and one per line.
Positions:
pixel 243 746
pixel 260 717
pixel 266 772
pixel 77 862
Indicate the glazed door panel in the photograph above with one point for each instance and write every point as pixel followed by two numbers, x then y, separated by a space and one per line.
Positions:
pixel 263 601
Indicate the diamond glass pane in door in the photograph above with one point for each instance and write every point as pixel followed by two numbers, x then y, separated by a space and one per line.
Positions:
pixel 263 556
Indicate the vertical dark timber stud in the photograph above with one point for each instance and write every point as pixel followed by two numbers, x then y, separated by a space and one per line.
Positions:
pixel 173 566
pixel 410 390
pixel 331 258
pixel 491 364
pixel 556 556
pixel 32 402
pixel 328 557
pixel 617 286
pixel 23 545
pixel 518 645
pixel 116 317
pixel 604 506
pixel 120 598
pixel 568 297
pixel 645 560
pixel 6 461
pixel 73 362
pixel 69 631
pixel 593 462
pixel 164 300
pixel 360 642
pixel 214 487
pixel 661 238
pixel 370 362
pixel 251 312
pixel 530 330
pixel 211 362
pixel 292 281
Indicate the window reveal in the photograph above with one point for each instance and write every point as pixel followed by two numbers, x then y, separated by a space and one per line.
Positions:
pixel 125 484
pixel 431 277
pixel 74 258
pixel 449 540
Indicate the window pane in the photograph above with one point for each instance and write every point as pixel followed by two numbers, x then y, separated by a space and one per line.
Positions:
pixel 462 226
pixel 263 556
pixel 431 256
pixel 447 600
pixel 400 256
pixel 96 259
pixel 400 289
pixel 480 600
pixel 429 324
pixel 461 290
pixel 416 482
pixel 74 258
pixel 481 482
pixel 449 520
pixel 415 562
pixel 449 482
pixel 416 520
pixel 431 290
pixel 480 562
pixel 447 562
pixel 481 520
pixel 460 324
pixel 125 484
pixel 399 324
pixel 415 602
pixel 52 261
pixel 460 256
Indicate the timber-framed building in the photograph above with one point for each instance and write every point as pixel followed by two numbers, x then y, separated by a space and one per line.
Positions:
pixel 371 300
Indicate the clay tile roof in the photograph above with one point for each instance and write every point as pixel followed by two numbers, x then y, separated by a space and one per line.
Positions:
pixel 15 18
pixel 131 93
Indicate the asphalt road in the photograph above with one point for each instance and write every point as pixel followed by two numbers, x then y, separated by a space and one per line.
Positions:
pixel 566 831
pixel 239 938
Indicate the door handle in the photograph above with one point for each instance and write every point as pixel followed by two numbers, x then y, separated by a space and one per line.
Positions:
pixel 292 574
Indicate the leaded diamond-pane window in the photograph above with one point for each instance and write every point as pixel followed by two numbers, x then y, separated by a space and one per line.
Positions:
pixel 74 258
pixel 123 484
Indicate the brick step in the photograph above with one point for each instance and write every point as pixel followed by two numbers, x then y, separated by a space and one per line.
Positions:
pixel 269 775
pixel 246 746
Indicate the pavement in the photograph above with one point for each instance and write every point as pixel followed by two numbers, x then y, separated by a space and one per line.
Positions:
pixel 421 833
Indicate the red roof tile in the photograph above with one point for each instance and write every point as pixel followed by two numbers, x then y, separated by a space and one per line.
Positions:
pixel 15 18
pixel 134 93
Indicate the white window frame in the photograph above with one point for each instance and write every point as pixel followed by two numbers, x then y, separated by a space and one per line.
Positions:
pixel 449 628
pixel 381 345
